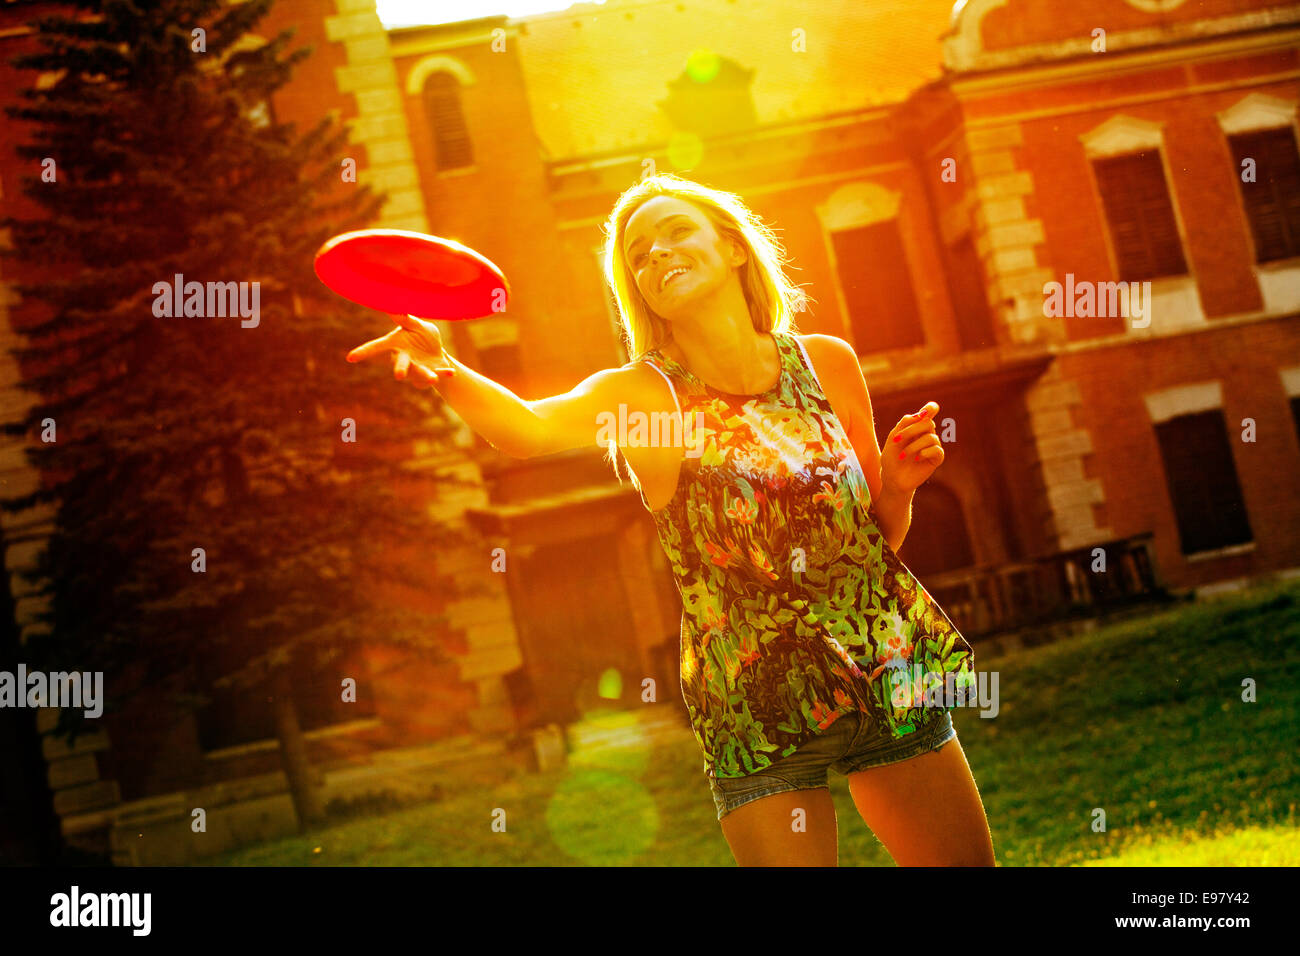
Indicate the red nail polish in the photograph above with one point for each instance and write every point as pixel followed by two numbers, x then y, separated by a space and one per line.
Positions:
pixel 897 437
pixel 902 454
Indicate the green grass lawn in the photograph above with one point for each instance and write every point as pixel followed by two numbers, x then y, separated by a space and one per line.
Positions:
pixel 1143 719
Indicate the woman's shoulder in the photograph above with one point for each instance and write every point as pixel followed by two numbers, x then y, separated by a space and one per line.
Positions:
pixel 835 349
pixel 649 377
pixel 831 357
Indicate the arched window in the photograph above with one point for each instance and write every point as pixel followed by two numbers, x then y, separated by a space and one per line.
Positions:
pixel 451 145
pixel 937 540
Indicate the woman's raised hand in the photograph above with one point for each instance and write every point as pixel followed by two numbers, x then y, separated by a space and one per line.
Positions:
pixel 417 348
pixel 912 451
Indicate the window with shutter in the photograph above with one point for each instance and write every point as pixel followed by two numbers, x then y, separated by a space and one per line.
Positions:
pixel 1272 201
pixel 877 284
pixel 1140 215
pixel 451 144
pixel 1202 481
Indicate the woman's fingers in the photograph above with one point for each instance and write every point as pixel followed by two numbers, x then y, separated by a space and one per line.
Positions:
pixel 413 345
pixel 929 440
pixel 421 377
pixel 911 433
pixel 374 347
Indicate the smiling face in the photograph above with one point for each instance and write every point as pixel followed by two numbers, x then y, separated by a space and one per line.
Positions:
pixel 675 254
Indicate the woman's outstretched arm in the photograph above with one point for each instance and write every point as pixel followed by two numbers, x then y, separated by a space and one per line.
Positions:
pixel 512 425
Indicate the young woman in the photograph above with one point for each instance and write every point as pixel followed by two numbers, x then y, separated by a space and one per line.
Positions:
pixel 806 643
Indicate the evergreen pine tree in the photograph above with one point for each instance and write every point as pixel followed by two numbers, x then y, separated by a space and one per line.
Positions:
pixel 182 432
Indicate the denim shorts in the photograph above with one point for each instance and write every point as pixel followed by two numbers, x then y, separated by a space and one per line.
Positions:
pixel 850 744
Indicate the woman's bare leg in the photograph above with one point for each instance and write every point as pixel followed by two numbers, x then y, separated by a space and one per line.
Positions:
pixel 926 810
pixel 762 832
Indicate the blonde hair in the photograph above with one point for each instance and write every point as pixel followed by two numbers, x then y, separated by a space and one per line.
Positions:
pixel 772 297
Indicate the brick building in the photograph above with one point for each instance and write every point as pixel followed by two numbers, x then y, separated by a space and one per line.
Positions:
pixel 932 169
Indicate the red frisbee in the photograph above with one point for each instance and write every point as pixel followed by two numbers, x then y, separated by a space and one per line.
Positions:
pixel 410 273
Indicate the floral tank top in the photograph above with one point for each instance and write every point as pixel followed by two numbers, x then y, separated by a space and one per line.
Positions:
pixel 795 609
